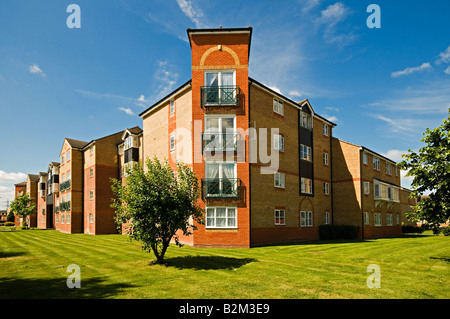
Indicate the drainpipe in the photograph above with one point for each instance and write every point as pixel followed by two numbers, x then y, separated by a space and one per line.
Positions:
pixel 361 182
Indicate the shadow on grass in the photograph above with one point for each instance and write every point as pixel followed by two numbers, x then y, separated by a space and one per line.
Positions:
pixel 56 288
pixel 10 254
pixel 446 259
pixel 207 262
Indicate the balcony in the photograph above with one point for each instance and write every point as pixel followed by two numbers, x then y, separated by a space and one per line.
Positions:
pixel 64 186
pixel 55 187
pixel 221 142
pixel 385 193
pixel 64 206
pixel 220 96
pixel 221 188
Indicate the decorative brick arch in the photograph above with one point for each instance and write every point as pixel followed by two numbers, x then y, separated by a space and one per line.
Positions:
pixel 216 48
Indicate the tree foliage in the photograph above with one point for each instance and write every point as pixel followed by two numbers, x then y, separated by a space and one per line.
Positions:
pixel 157 204
pixel 23 206
pixel 430 169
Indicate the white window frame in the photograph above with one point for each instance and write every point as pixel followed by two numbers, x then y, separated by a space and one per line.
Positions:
pixel 91 150
pixel 308 118
pixel 365 160
pixel 376 163
pixel 306 184
pixel 388 168
pixel 172 106
pixel 278 142
pixel 91 195
pixel 366 218
pixel 366 188
pixel 325 129
pixel 378 219
pixel 68 219
pixel 91 218
pixel 305 153
pixel 278 106
pixel 325 158
pixel 326 188
pixel 306 219
pixel 279 180
pixel 214 218
pixel 91 172
pixel 389 220
pixel 326 218
pixel 172 143
pixel 280 214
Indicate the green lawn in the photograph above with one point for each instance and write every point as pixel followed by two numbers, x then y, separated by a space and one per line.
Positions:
pixel 33 264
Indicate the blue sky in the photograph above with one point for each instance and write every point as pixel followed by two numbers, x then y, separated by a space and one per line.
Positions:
pixel 382 87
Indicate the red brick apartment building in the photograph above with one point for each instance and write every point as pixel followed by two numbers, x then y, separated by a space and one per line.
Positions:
pixel 264 160
pixel 269 166
pixel 74 195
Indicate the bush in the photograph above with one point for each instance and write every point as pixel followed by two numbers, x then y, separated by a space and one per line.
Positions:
pixel 411 229
pixel 338 232
pixel 446 230
pixel 9 224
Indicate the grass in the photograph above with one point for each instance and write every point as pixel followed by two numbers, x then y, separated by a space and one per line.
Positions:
pixel 33 264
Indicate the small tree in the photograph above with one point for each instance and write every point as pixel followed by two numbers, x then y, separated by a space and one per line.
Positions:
pixel 157 203
pixel 23 206
pixel 430 169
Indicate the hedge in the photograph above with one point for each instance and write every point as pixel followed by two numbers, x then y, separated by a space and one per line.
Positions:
pixel 446 230
pixel 338 232
pixel 410 229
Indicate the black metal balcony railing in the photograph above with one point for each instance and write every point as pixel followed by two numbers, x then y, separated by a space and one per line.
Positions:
pixel 221 188
pixel 64 206
pixel 221 142
pixel 220 96
pixel 64 186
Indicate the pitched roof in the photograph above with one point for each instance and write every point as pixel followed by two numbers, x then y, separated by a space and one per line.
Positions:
pixel 76 143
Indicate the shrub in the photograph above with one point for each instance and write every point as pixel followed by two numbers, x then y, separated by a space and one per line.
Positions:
pixel 446 230
pixel 338 232
pixel 411 229
pixel 9 224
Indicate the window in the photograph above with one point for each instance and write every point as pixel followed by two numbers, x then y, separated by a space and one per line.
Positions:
pixel 376 163
pixel 91 172
pixel 91 218
pixel 91 195
pixel 306 219
pixel 57 219
pixel 325 158
pixel 376 190
pixel 220 133
pixel 280 216
pixel 68 219
pixel 306 185
pixel 220 87
pixel 326 218
pixel 172 106
pixel 388 168
pixel 63 159
pixel 398 219
pixel 364 158
pixel 366 218
pixel 221 217
pixel 325 129
pixel 91 150
pixel 378 221
pixel 305 120
pixel 62 219
pixel 279 180
pixel 278 142
pixel 366 188
pixel 305 152
pixel 278 107
pixel 68 155
pixel 396 170
pixel 326 188
pixel 172 142
pixel 221 179
pixel 389 219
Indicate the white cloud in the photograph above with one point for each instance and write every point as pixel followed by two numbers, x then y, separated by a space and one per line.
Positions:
pixel 295 93
pixel 193 13
pixel 409 70
pixel 126 110
pixel 12 177
pixel 6 195
pixel 165 78
pixel 275 88
pixel 447 70
pixel 444 57
pixel 308 5
pixel 35 69
pixel 333 14
pixel 395 155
